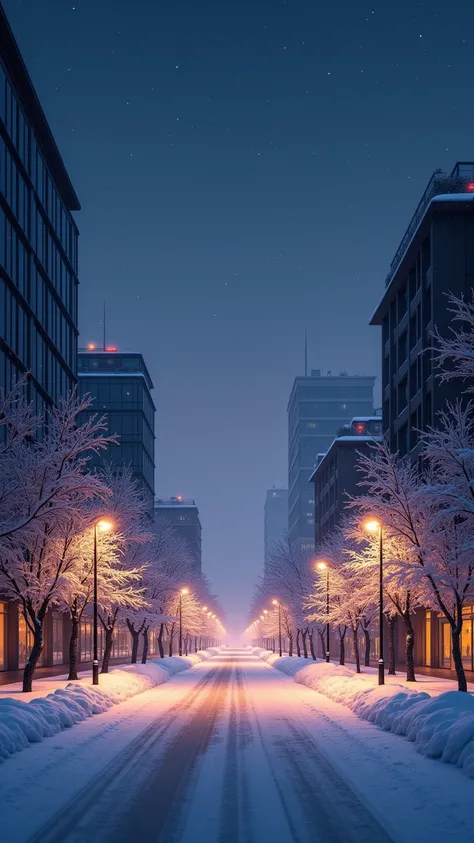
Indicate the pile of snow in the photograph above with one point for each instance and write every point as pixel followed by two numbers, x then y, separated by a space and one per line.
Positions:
pixel 440 727
pixel 23 723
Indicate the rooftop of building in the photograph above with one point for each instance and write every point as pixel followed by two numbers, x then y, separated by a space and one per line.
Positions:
pixel 109 361
pixel 175 502
pixel 342 442
pixel 318 378
pixel 24 88
pixel 454 191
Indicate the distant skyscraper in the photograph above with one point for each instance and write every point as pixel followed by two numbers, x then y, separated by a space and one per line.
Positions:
pixel 276 519
pixel 318 406
pixel 120 386
pixel 38 240
pixel 184 516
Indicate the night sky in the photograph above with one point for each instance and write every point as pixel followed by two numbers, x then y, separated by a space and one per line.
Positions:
pixel 244 167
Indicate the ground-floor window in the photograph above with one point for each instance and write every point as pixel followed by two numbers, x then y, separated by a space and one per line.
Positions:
pixel 466 638
pixel 428 639
pixel 445 639
pixel 3 635
pixel 58 619
pixel 25 642
pixel 121 646
pixel 86 640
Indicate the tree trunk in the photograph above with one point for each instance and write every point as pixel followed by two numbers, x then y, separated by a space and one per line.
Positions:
pixel 457 658
pixel 160 642
pixel 342 646
pixel 367 647
pixel 409 647
pixel 108 644
pixel 298 648
pixel 391 622
pixel 145 645
pixel 356 649
pixel 170 645
pixel 73 644
pixel 305 646
pixel 290 643
pixel 322 641
pixel 35 653
pixel 311 645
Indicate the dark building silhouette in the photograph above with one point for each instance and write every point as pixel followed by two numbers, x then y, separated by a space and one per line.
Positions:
pixel 38 240
pixel 275 519
pixel 120 386
pixel 183 514
pixel 318 406
pixel 336 476
pixel 436 256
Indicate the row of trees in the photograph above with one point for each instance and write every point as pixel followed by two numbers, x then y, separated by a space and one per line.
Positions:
pixel 426 514
pixel 50 504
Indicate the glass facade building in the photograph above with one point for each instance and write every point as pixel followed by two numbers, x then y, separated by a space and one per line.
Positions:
pixel 120 387
pixel 183 514
pixel 38 240
pixel 318 406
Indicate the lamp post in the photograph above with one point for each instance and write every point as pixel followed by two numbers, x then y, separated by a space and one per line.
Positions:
pixel 101 526
pixel 277 603
pixel 375 526
pixel 183 591
pixel 323 566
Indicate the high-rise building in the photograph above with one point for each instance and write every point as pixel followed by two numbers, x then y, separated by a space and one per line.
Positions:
pixel 336 476
pixel 318 406
pixel 435 257
pixel 183 514
pixel 38 240
pixel 120 386
pixel 276 519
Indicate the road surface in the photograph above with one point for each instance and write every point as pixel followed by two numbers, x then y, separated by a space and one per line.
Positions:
pixel 231 751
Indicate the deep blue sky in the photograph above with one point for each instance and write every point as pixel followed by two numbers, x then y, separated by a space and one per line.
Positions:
pixel 244 167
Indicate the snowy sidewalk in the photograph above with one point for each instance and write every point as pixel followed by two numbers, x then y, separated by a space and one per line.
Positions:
pixel 438 719
pixel 56 704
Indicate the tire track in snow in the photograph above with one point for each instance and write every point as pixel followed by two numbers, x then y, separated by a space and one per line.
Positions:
pixel 60 827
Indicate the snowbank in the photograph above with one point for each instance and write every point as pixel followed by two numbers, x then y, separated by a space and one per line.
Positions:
pixel 440 727
pixel 23 723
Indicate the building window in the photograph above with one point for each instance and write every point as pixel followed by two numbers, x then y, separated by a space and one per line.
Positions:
pixel 3 635
pixel 25 642
pixel 466 638
pixel 428 639
pixel 58 618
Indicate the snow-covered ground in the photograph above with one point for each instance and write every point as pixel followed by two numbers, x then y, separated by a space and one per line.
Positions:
pixel 56 704
pixel 231 751
pixel 436 718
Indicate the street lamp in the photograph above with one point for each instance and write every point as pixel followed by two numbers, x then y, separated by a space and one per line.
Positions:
pixel 277 603
pixel 100 526
pixel 374 526
pixel 323 566
pixel 181 593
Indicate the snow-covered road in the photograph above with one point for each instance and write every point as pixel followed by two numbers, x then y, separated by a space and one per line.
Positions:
pixel 231 751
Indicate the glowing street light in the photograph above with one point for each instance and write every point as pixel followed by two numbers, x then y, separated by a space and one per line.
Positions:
pixel 323 566
pixel 102 525
pixel 375 527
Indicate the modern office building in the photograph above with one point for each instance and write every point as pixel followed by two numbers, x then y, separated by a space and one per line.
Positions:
pixel 336 476
pixel 318 406
pixel 120 386
pixel 38 240
pixel 183 514
pixel 38 277
pixel 435 256
pixel 275 519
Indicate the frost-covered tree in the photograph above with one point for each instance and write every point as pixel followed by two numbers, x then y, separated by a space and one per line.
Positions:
pixel 45 491
pixel 455 353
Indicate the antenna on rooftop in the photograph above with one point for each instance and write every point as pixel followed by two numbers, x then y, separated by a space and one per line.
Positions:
pixel 103 325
